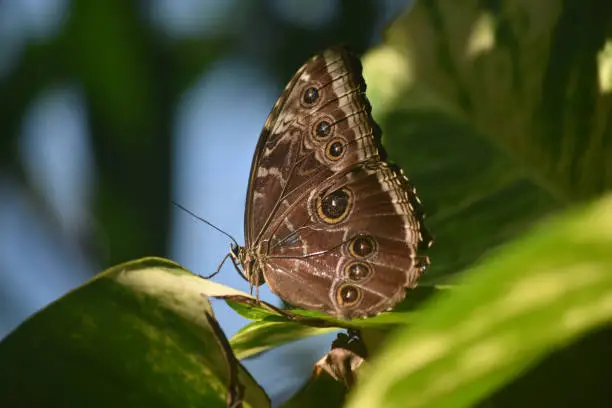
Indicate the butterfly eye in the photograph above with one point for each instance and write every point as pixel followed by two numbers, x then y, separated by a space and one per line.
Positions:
pixel 358 271
pixel 334 207
pixel 335 149
pixel 348 295
pixel 322 129
pixel 362 246
pixel 310 96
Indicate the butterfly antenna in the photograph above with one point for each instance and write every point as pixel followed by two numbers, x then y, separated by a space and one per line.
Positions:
pixel 206 222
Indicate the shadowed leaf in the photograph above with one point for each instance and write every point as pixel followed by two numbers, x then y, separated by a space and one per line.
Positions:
pixel 273 327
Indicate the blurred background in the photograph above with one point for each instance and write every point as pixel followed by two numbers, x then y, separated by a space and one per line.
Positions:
pixel 110 110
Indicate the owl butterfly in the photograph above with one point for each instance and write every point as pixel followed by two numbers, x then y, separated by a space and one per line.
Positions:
pixel 329 225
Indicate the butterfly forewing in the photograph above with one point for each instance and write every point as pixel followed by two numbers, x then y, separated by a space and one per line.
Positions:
pixel 304 143
pixel 332 227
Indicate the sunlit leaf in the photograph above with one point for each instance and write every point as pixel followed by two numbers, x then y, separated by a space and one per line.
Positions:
pixel 539 294
pixel 263 335
pixel 139 334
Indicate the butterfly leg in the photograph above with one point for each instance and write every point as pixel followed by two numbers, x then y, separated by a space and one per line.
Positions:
pixel 251 285
pixel 218 268
pixel 254 278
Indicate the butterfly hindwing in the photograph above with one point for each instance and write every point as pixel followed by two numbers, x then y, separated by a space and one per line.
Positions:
pixel 363 246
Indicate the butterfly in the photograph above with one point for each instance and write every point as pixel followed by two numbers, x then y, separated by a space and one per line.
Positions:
pixel 329 224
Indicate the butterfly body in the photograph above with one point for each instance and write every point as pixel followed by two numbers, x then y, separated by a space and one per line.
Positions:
pixel 329 225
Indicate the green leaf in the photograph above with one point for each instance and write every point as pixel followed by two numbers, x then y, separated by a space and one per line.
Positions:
pixel 273 327
pixel 260 336
pixel 532 77
pixel 497 111
pixel 475 194
pixel 139 334
pixel 539 294
pixel 248 307
pixel 319 384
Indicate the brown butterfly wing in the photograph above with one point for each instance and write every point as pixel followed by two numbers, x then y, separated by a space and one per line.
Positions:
pixel 293 151
pixel 355 258
pixel 319 189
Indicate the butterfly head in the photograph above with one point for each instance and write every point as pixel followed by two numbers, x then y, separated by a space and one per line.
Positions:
pixel 236 251
pixel 246 264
